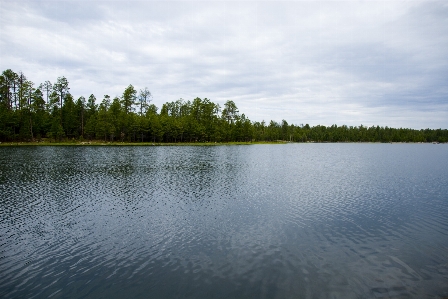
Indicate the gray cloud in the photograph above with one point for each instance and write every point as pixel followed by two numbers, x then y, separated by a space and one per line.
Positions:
pixel 343 62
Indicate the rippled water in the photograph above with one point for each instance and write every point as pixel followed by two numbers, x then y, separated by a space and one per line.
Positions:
pixel 259 221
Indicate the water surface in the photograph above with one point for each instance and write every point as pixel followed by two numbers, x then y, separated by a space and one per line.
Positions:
pixel 259 221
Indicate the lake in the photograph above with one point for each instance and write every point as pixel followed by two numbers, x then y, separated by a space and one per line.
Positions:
pixel 256 221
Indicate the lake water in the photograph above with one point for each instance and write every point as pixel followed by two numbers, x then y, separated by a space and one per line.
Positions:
pixel 258 221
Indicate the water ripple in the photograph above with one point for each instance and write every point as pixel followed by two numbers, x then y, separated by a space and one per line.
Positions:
pixel 297 220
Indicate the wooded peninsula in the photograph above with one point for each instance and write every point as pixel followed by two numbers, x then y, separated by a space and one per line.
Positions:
pixel 48 111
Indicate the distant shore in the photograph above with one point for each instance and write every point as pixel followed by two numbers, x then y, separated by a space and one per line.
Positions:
pixel 118 143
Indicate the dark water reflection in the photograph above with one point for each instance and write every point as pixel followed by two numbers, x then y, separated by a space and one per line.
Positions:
pixel 261 221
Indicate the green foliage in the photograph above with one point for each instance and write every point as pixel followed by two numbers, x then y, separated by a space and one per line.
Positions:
pixel 90 127
pixel 49 111
pixel 56 130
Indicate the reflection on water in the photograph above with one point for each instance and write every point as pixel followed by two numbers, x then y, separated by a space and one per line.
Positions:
pixel 261 221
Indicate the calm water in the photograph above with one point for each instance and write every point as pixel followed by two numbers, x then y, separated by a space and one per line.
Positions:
pixel 260 221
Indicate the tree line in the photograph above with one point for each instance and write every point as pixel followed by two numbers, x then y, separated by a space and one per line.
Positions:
pixel 30 112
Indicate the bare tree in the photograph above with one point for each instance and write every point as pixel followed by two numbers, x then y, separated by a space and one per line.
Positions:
pixel 47 87
pixel 143 98
pixel 61 89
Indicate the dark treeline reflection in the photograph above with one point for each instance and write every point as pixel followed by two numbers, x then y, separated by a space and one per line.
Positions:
pixel 48 110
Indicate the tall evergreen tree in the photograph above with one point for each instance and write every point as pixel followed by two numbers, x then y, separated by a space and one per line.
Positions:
pixel 61 88
pixel 129 98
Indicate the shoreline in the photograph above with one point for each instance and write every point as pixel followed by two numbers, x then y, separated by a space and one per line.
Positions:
pixel 102 143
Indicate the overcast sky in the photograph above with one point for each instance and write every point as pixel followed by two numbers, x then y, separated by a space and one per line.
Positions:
pixel 318 62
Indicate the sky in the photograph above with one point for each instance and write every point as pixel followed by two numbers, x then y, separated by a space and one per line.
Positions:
pixel 309 62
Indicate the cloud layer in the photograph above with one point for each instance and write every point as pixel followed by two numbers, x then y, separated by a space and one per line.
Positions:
pixel 333 62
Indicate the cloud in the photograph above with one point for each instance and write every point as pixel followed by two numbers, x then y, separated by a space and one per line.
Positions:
pixel 343 62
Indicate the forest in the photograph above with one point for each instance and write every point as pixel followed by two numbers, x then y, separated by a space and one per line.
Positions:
pixel 48 111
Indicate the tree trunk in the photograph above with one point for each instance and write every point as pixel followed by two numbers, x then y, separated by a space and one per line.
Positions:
pixel 82 123
pixel 31 129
